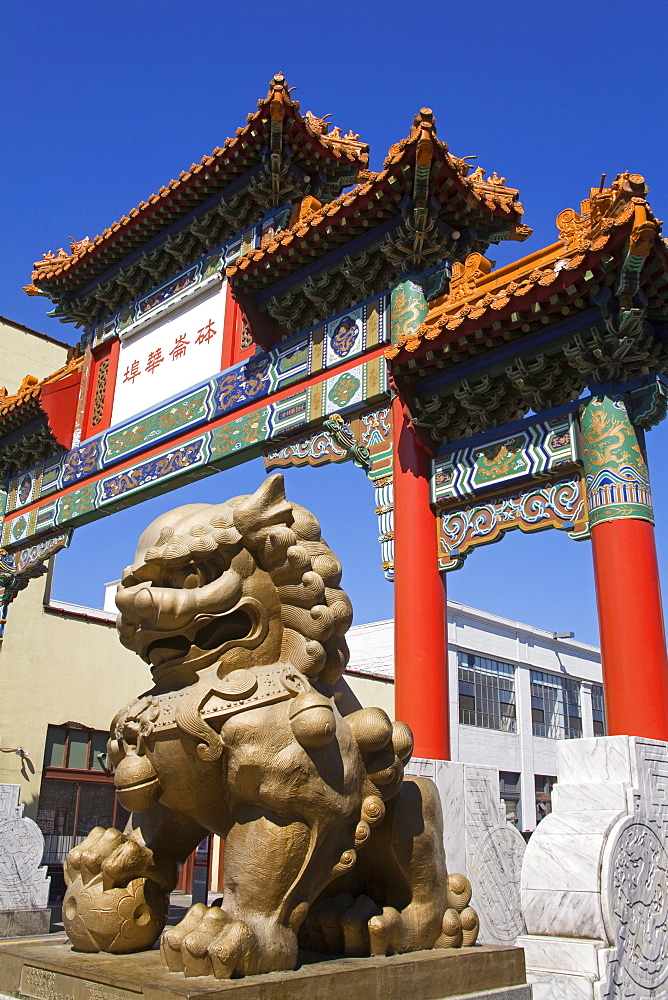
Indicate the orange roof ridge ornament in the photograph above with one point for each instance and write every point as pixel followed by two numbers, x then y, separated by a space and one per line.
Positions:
pixel 466 276
pixel 615 217
pixel 77 247
pixel 644 231
pixel 319 126
pixel 606 207
pixel 422 131
pixel 278 90
pixel 424 122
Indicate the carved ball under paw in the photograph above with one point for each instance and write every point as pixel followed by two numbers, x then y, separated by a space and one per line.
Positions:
pixel 117 920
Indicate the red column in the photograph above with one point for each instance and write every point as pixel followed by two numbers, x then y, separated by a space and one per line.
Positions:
pixel 420 639
pixel 633 642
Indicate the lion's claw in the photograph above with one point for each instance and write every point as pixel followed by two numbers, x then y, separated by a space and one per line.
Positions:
pixel 120 860
pixel 229 949
pixel 87 858
pixel 358 927
pixel 195 947
pixel 210 941
pixel 173 937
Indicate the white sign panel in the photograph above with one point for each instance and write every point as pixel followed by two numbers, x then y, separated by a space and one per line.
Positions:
pixel 166 358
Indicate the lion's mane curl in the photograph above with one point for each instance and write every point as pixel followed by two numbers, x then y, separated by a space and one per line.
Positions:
pixel 286 541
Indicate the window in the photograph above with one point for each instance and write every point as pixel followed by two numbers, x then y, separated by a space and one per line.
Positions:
pixel 509 786
pixel 555 706
pixel 544 785
pixel 486 693
pixel 77 791
pixel 598 709
pixel 76 748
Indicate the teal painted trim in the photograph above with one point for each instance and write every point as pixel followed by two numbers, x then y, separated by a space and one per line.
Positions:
pixel 530 452
pixel 306 354
pixel 238 440
pixel 188 411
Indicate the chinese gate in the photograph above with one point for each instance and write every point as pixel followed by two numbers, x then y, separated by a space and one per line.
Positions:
pixel 256 306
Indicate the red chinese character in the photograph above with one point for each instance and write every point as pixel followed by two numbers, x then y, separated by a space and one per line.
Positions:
pixel 131 372
pixel 179 348
pixel 206 334
pixel 155 358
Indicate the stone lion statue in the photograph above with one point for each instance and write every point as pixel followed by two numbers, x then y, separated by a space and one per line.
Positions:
pixel 251 732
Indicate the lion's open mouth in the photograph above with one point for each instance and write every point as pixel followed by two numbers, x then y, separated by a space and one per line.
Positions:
pixel 236 625
pixel 173 649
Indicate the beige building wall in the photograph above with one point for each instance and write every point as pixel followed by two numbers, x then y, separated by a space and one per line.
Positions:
pixel 27 352
pixel 57 666
pixel 373 691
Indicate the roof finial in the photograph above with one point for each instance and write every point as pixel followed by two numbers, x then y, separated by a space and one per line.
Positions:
pixel 278 82
pixel 425 119
pixel 279 91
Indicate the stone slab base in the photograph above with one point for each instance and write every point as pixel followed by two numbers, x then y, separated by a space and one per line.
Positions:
pixel 24 923
pixel 51 969
pixel 595 873
pixel 479 843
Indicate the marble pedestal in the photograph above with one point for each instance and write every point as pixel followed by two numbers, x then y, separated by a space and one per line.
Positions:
pixel 595 875
pixel 24 885
pixel 480 843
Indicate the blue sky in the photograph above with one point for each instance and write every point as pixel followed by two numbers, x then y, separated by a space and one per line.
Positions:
pixel 104 103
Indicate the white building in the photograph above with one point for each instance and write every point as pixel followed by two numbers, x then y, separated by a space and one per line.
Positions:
pixel 514 691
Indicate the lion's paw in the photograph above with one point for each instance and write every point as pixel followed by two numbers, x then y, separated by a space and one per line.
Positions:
pixel 116 898
pixel 341 926
pixel 118 859
pixel 209 941
pixel 359 927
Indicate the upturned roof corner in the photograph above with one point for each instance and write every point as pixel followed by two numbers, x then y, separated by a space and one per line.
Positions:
pixel 319 162
pixel 616 218
pixel 418 211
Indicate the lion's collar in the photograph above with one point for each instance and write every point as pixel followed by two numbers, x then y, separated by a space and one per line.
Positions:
pixel 212 698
